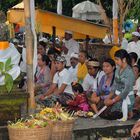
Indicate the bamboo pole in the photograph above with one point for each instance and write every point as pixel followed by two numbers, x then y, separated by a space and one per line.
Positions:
pixel 29 56
pixel 53 35
pixel 115 21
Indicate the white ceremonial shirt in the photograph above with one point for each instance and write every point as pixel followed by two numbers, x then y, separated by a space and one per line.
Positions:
pixel 63 77
pixel 90 83
pixel 124 43
pixel 134 47
pixel 73 73
pixel 73 47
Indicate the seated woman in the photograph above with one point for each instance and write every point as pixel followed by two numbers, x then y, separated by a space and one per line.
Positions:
pixel 41 48
pixel 136 70
pixel 121 99
pixel 42 75
pixel 80 101
pixel 60 90
pixel 105 84
pixel 52 54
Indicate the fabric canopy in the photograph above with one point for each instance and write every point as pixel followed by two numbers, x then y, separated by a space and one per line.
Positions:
pixel 45 21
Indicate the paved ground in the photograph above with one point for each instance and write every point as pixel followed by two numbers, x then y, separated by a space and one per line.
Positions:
pixel 90 129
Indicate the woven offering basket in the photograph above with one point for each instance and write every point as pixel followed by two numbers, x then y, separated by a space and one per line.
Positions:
pixel 29 133
pixel 62 130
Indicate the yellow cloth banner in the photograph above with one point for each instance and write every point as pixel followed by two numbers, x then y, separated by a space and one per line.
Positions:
pixel 115 30
pixel 81 72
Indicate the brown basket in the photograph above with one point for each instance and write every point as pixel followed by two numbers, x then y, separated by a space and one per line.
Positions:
pixel 29 133
pixel 62 130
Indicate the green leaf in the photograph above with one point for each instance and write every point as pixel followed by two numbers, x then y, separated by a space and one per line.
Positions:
pixel 8 64
pixel 9 67
pixel 1 66
pixel 8 82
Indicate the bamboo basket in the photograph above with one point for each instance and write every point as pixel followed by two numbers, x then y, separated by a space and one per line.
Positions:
pixel 29 133
pixel 62 130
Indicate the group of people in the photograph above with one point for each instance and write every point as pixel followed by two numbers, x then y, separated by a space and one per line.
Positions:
pixel 81 83
pixel 70 77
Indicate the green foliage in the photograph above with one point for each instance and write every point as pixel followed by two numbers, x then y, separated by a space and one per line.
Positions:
pixel 8 82
pixel 6 4
pixel 1 66
pixel 107 5
pixel 134 12
pixel 8 65
pixel 51 5
pixel 4 68
pixel 12 102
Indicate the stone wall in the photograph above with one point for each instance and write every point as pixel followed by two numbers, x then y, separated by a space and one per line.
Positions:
pixel 3 133
pixel 97 50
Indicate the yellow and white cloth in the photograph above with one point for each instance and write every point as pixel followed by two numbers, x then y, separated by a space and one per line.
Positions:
pixel 125 104
pixel 12 52
pixel 5 53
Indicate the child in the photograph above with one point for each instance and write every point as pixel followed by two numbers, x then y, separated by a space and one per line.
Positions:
pixel 80 101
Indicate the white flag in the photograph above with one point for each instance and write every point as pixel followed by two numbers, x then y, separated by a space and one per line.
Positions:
pixel 115 9
pixel 32 7
pixel 59 7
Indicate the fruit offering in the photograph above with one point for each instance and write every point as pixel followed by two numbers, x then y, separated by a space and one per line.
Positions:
pixel 42 119
pixel 29 123
pixel 56 113
pixel 84 114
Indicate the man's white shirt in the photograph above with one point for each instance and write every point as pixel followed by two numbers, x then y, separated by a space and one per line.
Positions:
pixel 73 47
pixel 90 83
pixel 73 73
pixel 134 47
pixel 63 77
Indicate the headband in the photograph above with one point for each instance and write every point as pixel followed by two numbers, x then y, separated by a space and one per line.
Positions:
pixel 60 59
pixel 93 63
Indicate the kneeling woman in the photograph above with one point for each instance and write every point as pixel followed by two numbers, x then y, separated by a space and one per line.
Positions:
pixel 121 97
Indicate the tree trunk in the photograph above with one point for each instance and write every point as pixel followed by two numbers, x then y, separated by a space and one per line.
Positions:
pixel 29 55
pixel 107 21
pixel 121 11
pixel 124 9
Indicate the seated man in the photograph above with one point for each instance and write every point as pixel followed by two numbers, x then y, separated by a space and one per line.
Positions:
pixel 61 86
pixel 74 65
pixel 92 80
